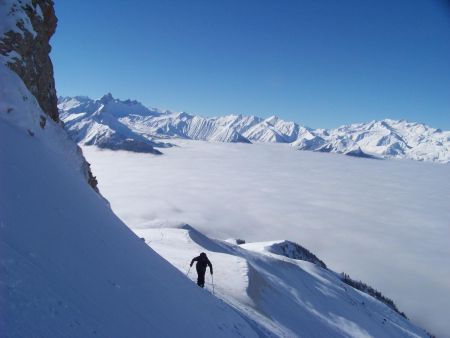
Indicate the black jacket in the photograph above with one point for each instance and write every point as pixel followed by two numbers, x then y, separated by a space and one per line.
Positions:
pixel 202 262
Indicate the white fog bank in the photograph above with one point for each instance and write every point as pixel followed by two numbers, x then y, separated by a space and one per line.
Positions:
pixel 384 222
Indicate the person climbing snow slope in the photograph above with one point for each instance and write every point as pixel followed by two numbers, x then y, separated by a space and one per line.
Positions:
pixel 202 262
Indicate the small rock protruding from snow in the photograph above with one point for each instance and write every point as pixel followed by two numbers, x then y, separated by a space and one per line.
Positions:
pixel 294 251
pixel 359 153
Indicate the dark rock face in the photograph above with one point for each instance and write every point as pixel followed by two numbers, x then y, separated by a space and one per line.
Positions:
pixel 35 67
pixel 33 63
pixel 295 251
pixel 359 153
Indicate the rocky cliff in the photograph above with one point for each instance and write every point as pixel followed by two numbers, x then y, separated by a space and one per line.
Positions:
pixel 28 51
pixel 26 27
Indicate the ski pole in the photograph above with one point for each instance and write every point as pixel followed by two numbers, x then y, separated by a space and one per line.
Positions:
pixel 212 276
pixel 188 271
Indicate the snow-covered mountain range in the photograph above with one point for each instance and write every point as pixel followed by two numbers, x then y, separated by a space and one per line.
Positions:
pixel 129 125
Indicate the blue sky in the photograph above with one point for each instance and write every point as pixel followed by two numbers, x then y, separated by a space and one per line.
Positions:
pixel 320 63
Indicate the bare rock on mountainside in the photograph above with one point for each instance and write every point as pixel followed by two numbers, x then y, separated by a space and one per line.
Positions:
pixel 295 251
pixel 25 47
pixel 28 52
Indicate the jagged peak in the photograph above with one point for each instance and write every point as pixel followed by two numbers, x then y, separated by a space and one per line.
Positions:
pixel 106 98
pixel 183 114
pixel 272 119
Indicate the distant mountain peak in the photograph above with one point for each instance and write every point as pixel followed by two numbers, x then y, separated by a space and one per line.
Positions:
pixel 272 119
pixel 107 98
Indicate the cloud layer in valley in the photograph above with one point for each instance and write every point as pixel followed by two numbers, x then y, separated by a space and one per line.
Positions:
pixel 385 222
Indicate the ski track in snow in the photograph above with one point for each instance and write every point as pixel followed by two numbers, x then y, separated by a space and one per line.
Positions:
pixel 384 222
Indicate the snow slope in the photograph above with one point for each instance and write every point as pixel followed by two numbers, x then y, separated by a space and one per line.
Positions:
pixel 385 222
pixel 68 266
pixel 287 297
pixel 384 139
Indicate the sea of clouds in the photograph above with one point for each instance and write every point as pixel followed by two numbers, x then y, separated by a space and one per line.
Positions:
pixel 386 222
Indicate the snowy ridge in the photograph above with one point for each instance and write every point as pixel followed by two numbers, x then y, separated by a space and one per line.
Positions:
pixel 285 297
pixel 90 122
